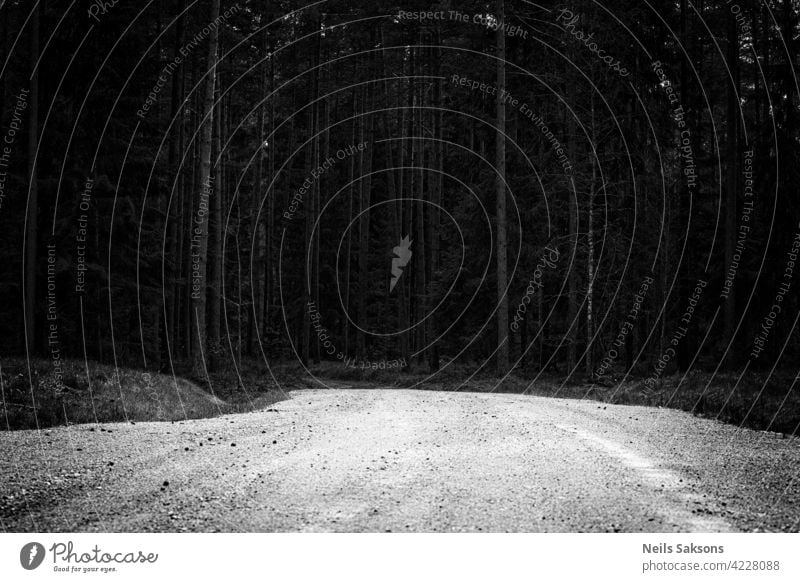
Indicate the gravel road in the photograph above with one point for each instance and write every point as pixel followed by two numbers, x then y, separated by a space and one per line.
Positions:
pixel 404 460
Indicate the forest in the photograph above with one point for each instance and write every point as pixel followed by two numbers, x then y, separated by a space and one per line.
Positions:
pixel 595 199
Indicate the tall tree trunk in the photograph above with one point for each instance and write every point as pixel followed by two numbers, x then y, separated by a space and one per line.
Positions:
pixel 395 188
pixel 32 230
pixel 215 235
pixel 432 232
pixel 684 193
pixel 349 244
pixel 732 146
pixel 590 266
pixel 201 223
pixel 318 206
pixel 363 232
pixel 257 223
pixel 190 193
pixel 172 259
pixel 420 272
pixel 310 293
pixel 436 236
pixel 502 250
pixel 403 217
pixel 572 235
pixel 269 219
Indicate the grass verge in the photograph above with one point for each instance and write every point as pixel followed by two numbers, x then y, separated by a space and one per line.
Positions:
pixel 754 401
pixel 102 393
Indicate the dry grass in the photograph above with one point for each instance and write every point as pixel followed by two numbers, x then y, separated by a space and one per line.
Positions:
pixel 105 394
pixel 754 402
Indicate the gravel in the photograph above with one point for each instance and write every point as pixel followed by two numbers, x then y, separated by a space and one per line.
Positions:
pixel 404 460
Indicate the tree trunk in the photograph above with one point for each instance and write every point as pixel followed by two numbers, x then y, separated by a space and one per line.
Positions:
pixel 349 244
pixel 572 225
pixel 732 146
pixel 683 350
pixel 268 266
pixel 502 250
pixel 590 267
pixel 402 214
pixel 200 223
pixel 32 229
pixel 434 234
pixel 421 273
pixel 190 193
pixel 310 287
pixel 365 166
pixel 257 260
pixel 172 258
pixel 215 236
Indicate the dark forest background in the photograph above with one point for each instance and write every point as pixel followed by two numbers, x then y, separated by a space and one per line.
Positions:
pixel 150 215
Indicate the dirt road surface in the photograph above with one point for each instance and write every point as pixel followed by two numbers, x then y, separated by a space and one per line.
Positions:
pixel 404 460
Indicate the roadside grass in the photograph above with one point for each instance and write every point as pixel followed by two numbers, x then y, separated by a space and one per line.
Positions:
pixel 105 394
pixel 755 401
pixel 102 393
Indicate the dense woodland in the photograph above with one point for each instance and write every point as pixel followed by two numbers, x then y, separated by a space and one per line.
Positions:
pixel 593 189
